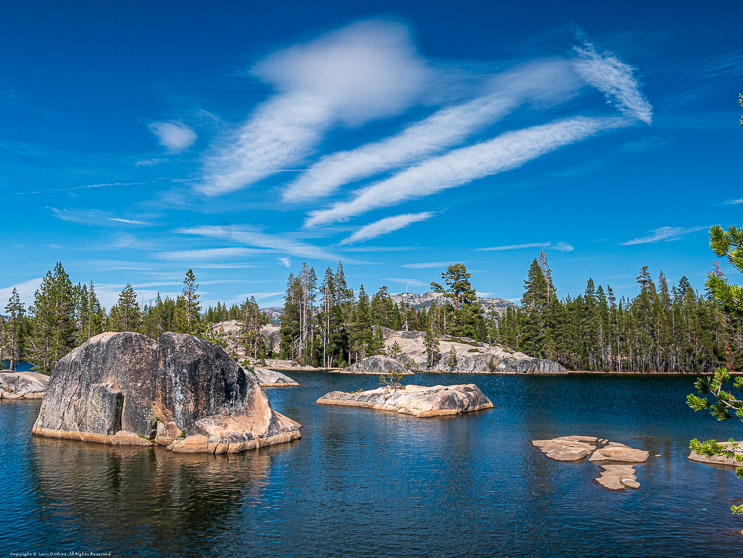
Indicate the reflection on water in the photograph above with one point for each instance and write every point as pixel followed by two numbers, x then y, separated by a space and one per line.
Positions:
pixel 378 484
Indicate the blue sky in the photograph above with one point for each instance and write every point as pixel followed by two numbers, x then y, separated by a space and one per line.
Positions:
pixel 141 139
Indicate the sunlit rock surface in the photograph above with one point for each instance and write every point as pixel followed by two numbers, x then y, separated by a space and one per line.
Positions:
pixel 419 401
pixel 22 385
pixel 377 364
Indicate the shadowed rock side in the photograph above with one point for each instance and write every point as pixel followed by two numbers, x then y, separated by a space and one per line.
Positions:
pixel 419 401
pixel 377 364
pixel 181 391
pixel 615 475
pixel 273 378
pixel 22 385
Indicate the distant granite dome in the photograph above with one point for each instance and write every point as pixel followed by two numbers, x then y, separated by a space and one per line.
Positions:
pixel 179 391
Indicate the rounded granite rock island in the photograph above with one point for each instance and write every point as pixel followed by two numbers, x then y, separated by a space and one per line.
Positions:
pixel 418 401
pixel 179 391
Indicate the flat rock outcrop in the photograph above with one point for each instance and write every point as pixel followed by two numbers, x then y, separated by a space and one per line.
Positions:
pixel 418 401
pixel 181 391
pixel 616 473
pixel 22 385
pixel 618 477
pixel 471 356
pixel 273 378
pixel 567 448
pixel 377 364
pixel 614 451
pixel 721 459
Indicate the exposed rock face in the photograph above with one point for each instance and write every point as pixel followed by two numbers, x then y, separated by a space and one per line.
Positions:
pixel 378 364
pixel 419 401
pixel 273 378
pixel 229 332
pixel 614 451
pixel 22 385
pixel 181 391
pixel 618 477
pixel 721 459
pixel 471 356
pixel 567 448
pixel 615 475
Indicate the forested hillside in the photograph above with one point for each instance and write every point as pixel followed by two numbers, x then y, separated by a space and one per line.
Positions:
pixel 324 322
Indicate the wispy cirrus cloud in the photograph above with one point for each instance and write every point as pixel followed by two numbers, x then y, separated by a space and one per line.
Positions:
pixel 666 234
pixel 614 79
pixel 544 80
pixel 92 217
pixel 461 166
pixel 733 202
pixel 128 221
pixel 208 254
pixel 426 265
pixel 173 135
pixel 386 225
pixel 359 73
pixel 558 246
pixel 281 243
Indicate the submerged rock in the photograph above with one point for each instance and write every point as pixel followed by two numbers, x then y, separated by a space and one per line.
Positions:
pixel 378 364
pixel 618 477
pixel 419 401
pixel 181 391
pixel 273 378
pixel 22 385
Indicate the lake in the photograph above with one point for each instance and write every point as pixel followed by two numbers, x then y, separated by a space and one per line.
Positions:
pixel 368 483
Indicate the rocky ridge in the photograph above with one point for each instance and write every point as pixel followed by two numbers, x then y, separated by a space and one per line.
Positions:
pixel 377 364
pixel 418 401
pixel 180 391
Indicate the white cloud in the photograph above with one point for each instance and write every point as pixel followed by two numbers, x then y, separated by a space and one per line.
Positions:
pixel 614 79
pixel 386 225
pixel 515 247
pixel 663 234
pixel 463 165
pixel 208 254
pixel 173 136
pixel 365 71
pixel 733 202
pixel 407 282
pixel 26 291
pixel 276 243
pixel 128 221
pixel 560 247
pixel 551 79
pixel 286 262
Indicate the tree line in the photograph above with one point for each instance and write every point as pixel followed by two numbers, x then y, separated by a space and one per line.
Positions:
pixel 325 323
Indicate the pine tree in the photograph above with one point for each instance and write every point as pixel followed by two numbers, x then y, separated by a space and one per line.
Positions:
pixel 13 334
pixel 466 307
pixel 126 314
pixel 188 315
pixel 53 311
pixel 431 344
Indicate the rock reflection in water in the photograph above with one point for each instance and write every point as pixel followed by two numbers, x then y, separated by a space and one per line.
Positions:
pixel 142 498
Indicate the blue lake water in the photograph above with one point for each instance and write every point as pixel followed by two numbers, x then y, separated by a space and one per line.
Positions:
pixel 368 483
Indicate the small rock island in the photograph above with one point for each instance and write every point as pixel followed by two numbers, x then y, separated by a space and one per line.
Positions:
pixel 180 391
pixel 418 401
pixel 22 385
pixel 273 378
pixel 615 458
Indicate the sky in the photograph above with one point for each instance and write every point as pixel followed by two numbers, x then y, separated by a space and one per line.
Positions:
pixel 241 139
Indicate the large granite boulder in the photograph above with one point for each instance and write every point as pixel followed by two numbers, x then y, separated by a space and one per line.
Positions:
pixel 377 364
pixel 22 385
pixel 273 378
pixel 419 401
pixel 181 391
pixel 614 451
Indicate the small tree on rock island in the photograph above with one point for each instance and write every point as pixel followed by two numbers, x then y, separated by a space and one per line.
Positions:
pixel 724 403
pixel 431 343
pixel 452 358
